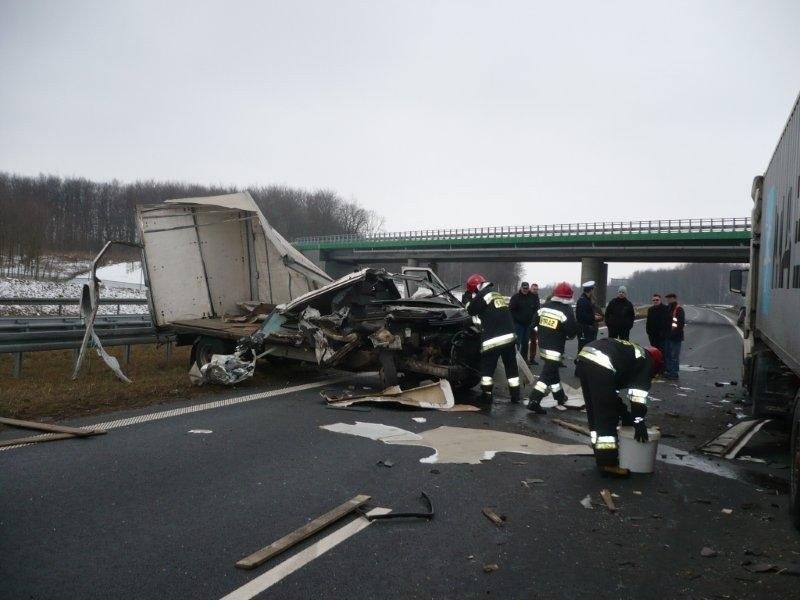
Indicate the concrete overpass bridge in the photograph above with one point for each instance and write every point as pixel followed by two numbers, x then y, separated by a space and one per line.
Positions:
pixel 593 244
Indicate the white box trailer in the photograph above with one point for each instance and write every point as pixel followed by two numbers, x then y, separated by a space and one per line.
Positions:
pixel 206 260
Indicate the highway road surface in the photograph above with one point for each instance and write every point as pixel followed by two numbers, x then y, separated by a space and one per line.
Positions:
pixel 166 503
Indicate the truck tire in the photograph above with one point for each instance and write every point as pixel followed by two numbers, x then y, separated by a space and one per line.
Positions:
pixel 205 347
pixel 794 479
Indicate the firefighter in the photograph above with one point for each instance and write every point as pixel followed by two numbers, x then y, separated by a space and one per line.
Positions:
pixel 556 324
pixel 604 367
pixel 489 310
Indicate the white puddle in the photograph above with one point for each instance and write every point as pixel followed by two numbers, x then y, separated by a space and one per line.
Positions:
pixel 460 444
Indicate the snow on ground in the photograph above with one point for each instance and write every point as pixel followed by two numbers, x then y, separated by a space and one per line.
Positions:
pixel 12 287
pixel 125 274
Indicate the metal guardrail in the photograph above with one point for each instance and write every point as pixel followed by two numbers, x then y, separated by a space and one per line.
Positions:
pixel 62 302
pixel 33 334
pixel 660 226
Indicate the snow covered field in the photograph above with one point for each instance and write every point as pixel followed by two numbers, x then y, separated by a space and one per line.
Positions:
pixel 122 280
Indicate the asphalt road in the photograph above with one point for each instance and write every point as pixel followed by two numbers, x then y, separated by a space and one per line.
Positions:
pixel 152 511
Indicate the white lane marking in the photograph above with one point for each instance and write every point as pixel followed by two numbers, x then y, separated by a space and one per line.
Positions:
pixel 696 312
pixel 166 414
pixel 301 559
pixel 730 321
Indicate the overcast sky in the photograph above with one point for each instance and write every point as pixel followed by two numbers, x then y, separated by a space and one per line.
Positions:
pixel 432 114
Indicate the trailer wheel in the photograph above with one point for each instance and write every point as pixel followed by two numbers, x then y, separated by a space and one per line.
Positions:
pixel 794 497
pixel 205 347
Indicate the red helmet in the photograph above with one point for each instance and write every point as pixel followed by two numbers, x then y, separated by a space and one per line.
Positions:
pixel 563 290
pixel 474 281
pixel 658 359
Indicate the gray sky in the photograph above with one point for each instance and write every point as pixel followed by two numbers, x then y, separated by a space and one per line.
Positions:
pixel 433 114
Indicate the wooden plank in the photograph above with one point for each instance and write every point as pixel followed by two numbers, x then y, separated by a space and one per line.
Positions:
pixel 571 426
pixel 50 427
pixel 493 517
pixel 50 437
pixel 606 496
pixel 298 535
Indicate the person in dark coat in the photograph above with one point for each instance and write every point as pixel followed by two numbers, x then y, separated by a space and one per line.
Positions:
pixel 534 328
pixel 586 316
pixel 523 306
pixel 620 315
pixel 674 339
pixel 657 322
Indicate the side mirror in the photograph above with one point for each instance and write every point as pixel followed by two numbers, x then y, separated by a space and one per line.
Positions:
pixel 736 280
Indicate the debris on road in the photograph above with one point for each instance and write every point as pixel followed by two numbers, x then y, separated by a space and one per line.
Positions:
pixel 730 442
pixel 55 432
pixel 724 383
pixel 571 426
pixel 692 368
pixel 748 458
pixel 587 502
pixel 419 419
pixel 494 517
pixel 435 395
pixel 385 463
pixel 606 496
pixel 491 568
pixel 727 511
pixel 428 514
pixel 298 535
pixel 460 444
pixel 200 431
pixel 708 552
pixel 527 482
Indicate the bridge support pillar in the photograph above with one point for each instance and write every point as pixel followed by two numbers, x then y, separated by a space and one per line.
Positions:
pixel 334 268
pixel 412 262
pixel 597 270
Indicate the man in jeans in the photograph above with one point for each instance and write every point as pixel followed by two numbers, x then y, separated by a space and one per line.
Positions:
pixel 523 306
pixel 674 338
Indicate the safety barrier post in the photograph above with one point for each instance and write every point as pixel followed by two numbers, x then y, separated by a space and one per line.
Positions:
pixel 17 373
pixel 128 354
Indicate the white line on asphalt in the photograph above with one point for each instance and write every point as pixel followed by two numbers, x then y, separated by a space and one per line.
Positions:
pixel 166 414
pixel 301 559
pixel 730 321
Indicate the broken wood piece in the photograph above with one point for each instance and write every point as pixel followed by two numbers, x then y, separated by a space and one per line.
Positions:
pixel 298 535
pixel 74 431
pixel 47 437
pixel 572 426
pixel 606 496
pixel 493 517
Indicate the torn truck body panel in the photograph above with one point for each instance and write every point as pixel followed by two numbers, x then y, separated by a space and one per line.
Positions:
pixel 205 257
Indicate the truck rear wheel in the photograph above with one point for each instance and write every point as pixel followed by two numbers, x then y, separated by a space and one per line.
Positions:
pixel 794 497
pixel 205 347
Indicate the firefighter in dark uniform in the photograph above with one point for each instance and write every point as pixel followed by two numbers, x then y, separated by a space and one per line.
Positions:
pixel 556 324
pixel 604 367
pixel 489 310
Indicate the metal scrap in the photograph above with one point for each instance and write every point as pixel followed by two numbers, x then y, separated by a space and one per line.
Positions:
pixel 437 395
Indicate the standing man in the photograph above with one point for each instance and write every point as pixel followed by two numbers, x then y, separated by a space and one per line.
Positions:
pixel 620 315
pixel 497 335
pixel 586 316
pixel 534 326
pixel 657 322
pixel 523 307
pixel 556 324
pixel 674 337
pixel 605 366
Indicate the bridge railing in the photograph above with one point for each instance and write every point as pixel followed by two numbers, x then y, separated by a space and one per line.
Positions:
pixel 660 226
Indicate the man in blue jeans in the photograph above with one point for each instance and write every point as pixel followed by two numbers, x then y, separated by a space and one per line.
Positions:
pixel 672 345
pixel 523 306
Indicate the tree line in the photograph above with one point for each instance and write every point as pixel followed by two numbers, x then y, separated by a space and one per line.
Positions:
pixel 697 283
pixel 47 215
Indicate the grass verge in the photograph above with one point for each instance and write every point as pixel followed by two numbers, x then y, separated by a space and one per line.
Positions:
pixel 46 391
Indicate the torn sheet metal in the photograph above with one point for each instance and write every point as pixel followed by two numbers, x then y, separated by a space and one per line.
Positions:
pixel 223 369
pixel 460 444
pixel 436 396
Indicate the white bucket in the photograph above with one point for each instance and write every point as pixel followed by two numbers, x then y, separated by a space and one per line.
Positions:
pixel 633 455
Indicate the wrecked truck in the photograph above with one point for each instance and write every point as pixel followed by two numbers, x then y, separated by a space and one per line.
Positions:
pixel 220 278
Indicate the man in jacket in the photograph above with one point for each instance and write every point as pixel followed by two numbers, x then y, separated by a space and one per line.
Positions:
pixel 586 316
pixel 556 324
pixel 674 337
pixel 537 305
pixel 657 322
pixel 604 367
pixel 497 335
pixel 523 307
pixel 620 315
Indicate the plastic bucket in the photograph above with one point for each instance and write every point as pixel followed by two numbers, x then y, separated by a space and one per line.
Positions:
pixel 633 455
